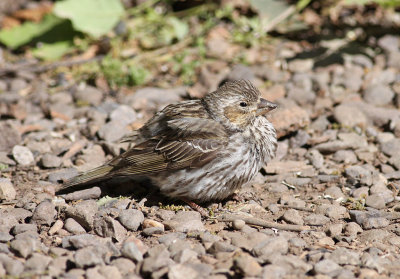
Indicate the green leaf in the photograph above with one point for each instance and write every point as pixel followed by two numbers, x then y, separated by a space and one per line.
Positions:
pixel 138 75
pixel 301 4
pixel 384 3
pixel 104 200
pixel 180 28
pixel 95 17
pixel 52 51
pixel 269 8
pixel 26 32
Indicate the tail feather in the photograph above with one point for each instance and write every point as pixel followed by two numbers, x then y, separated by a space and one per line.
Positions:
pixel 95 175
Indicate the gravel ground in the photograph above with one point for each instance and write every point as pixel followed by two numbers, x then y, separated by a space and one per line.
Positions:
pixel 332 189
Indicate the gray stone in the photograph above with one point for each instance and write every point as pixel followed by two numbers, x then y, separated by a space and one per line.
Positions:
pixel 5 236
pixel 123 114
pixel 113 131
pixel 89 95
pixel 320 124
pixel 391 147
pixel 316 220
pixel 153 98
pixel 358 216
pixel 44 213
pixel 354 81
pixel 109 227
pixel 37 263
pixel 83 213
pixel 220 246
pixel 301 65
pixel 61 97
pixel 238 224
pixel 352 229
pixel 13 267
pixel 152 231
pixel 9 136
pixel 22 247
pixel 384 137
pixel 300 95
pixel 131 251
pixel 335 229
pixel 5 160
pixel 73 226
pixel 378 95
pixel 316 158
pixel 292 216
pixel 274 272
pixel 292 263
pixel 50 161
pixel 375 223
pixel 300 139
pixel 131 219
pixel 86 194
pixel 80 241
pixel 185 255
pixel 354 140
pixel 375 201
pixel 87 257
pixel 182 271
pixel 22 155
pixel 381 190
pixel 18 84
pixel 334 192
pixel 185 221
pixel 158 258
pixel 360 193
pixel 125 266
pixel 344 256
pixel 327 267
pixel 350 116
pixel 345 156
pixel 389 43
pixel 62 175
pixel 271 247
pixel 336 212
pixel 247 265
pixel 169 238
pixel 7 190
pixel 378 115
pixel 358 175
pixel 241 71
pixel 21 228
pixel 332 146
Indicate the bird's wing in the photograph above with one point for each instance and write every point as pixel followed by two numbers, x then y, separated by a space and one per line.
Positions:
pixel 181 143
pixel 185 142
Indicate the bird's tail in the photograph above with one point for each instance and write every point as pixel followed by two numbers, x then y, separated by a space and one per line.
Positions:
pixel 87 178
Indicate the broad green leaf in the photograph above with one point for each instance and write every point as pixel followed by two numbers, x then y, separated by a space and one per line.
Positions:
pixel 95 17
pixel 180 28
pixel 302 4
pixel 269 8
pixel 26 32
pixel 52 51
pixel 385 3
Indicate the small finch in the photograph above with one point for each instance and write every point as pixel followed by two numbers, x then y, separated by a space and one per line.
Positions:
pixel 198 150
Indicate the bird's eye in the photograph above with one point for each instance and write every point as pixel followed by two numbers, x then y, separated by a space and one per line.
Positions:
pixel 243 104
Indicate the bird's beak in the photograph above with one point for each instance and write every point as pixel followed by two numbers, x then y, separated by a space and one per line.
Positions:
pixel 264 107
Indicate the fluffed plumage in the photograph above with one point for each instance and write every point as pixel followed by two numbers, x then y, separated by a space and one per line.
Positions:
pixel 198 150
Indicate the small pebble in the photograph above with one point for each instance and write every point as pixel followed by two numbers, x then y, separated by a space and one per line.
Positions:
pixel 238 224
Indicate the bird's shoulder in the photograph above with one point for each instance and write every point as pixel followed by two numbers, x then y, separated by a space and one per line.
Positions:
pixel 183 121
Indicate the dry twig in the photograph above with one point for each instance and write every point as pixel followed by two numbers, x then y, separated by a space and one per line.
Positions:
pixel 262 223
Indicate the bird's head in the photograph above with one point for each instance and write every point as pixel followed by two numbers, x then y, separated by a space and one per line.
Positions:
pixel 236 104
